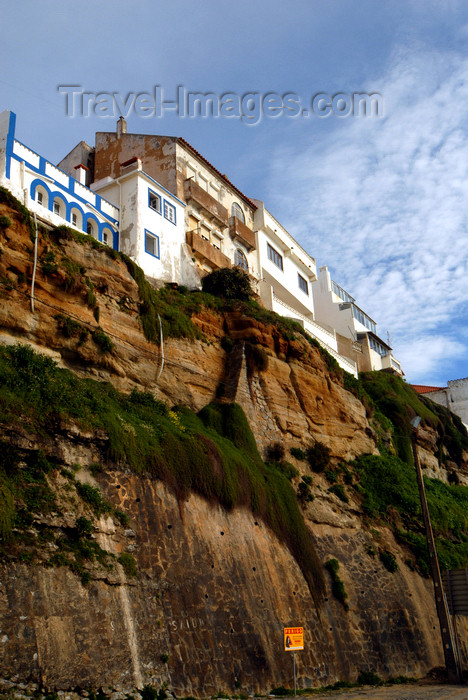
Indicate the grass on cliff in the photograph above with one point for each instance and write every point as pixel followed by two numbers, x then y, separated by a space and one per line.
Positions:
pixel 393 404
pixel 213 453
pixel 390 493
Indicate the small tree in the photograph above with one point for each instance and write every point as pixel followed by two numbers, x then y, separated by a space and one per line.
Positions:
pixel 229 284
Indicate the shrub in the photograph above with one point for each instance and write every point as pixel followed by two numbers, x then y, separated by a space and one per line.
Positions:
pixel 128 564
pixel 369 678
pixel 5 222
pixel 338 490
pixel 94 498
pixel 388 560
pixel 275 452
pixel 84 527
pixel 298 453
pixel 164 658
pixel 228 284
pixel 103 341
pixel 318 456
pixel 303 492
pixel 338 589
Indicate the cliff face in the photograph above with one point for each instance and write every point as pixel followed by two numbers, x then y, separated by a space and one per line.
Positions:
pixel 214 588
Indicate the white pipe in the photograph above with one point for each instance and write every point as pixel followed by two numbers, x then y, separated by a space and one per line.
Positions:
pixel 162 348
pixel 35 265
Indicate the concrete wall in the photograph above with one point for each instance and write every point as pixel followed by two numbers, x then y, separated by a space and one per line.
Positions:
pixel 454 397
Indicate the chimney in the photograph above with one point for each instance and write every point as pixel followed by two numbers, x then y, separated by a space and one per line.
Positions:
pixel 80 173
pixel 121 127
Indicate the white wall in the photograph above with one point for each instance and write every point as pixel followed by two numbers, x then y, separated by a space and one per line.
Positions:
pixel 131 192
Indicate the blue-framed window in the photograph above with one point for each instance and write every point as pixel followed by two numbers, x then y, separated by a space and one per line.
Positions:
pixel 303 285
pixel 169 212
pixel 274 256
pixel 152 244
pixel 154 201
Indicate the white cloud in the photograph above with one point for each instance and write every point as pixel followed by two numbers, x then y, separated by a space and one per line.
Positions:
pixel 384 203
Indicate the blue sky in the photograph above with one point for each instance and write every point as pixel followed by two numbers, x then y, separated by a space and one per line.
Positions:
pixel 382 201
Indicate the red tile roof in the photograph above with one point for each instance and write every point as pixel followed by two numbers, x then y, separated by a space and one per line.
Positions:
pixel 420 389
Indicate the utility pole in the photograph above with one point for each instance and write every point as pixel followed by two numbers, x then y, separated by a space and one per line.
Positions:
pixel 452 659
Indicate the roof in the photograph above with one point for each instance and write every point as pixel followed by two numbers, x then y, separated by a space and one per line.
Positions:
pixel 223 177
pixel 420 389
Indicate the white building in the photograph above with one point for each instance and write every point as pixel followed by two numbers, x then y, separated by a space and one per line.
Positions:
pixel 454 396
pixel 53 195
pixel 356 332
pixel 286 274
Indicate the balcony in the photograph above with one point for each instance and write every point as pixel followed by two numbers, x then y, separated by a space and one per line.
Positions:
pixel 239 231
pixel 211 207
pixel 206 251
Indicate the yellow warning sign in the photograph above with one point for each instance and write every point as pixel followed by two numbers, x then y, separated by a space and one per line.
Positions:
pixel 293 638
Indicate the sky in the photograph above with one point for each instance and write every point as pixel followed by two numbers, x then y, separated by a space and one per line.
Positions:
pixel 382 200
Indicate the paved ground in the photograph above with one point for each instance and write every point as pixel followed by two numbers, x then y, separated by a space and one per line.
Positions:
pixel 401 692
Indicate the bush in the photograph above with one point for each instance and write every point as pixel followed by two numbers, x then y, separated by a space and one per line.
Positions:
pixel 298 453
pixel 369 678
pixel 103 341
pixel 388 560
pixel 128 564
pixel 228 284
pixel 275 452
pixel 5 222
pixel 318 456
pixel 338 490
pixel 338 589
pixel 94 498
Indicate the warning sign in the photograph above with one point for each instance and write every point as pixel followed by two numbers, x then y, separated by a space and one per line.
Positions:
pixel 293 638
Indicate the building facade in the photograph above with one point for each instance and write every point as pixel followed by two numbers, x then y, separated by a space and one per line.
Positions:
pixel 53 195
pixel 356 332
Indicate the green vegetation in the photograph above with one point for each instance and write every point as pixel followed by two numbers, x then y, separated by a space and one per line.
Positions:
pixel 339 490
pixel 228 284
pixel 369 678
pixel 22 213
pixel 388 560
pixel 128 564
pixel 213 453
pixel 318 456
pixel 338 588
pixel 390 493
pixel 5 222
pixel 103 341
pixel 298 453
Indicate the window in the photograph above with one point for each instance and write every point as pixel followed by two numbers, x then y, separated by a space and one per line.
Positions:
pixel 275 257
pixel 57 207
pixel 105 238
pixel 154 201
pixel 236 210
pixel 74 219
pixel 216 241
pixel 240 260
pixel 340 292
pixel 91 228
pixel 364 319
pixel 152 244
pixel 169 212
pixel 378 347
pixel 40 198
pixel 303 285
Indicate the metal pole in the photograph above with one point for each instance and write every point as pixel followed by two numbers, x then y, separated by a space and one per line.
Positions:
pixel 294 665
pixel 452 665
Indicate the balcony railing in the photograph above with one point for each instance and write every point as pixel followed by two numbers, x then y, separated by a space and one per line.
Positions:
pixel 215 210
pixel 207 251
pixel 239 231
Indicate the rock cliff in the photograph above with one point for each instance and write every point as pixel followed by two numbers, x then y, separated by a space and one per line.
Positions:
pixel 214 587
